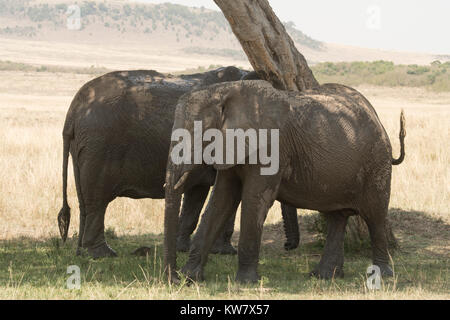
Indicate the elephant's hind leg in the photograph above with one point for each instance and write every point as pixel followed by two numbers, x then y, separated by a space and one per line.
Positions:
pixel 96 192
pixel 380 255
pixel 290 224
pixel 94 232
pixel 375 217
pixel 332 262
pixel 374 210
pixel 82 208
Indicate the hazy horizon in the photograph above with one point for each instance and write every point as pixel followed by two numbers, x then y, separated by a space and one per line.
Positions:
pixel 401 25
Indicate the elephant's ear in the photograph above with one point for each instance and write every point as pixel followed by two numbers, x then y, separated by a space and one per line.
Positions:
pixel 224 105
pixel 254 112
pixel 221 105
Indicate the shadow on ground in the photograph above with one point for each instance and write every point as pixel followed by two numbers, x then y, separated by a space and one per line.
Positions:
pixel 424 247
pixel 417 232
pixel 421 233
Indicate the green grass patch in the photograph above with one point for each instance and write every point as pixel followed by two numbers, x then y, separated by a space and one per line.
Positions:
pixel 37 269
pixel 435 77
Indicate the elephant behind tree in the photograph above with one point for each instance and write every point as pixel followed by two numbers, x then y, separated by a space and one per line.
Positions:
pixel 334 156
pixel 118 131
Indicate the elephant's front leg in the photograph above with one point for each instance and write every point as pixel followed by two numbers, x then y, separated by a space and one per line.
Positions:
pixel 258 194
pixel 222 204
pixel 193 201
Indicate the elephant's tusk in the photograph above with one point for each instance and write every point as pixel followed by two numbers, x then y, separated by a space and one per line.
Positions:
pixel 182 180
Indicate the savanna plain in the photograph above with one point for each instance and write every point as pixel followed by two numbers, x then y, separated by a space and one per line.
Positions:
pixel 34 261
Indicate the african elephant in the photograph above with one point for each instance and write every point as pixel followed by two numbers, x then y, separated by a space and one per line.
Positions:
pixel 334 157
pixel 118 133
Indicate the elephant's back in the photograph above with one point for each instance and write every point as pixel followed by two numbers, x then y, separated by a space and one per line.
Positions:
pixel 339 112
pixel 124 116
pixel 339 141
pixel 120 126
pixel 339 130
pixel 125 103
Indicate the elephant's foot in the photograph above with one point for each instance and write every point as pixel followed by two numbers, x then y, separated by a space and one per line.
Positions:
pixel 193 271
pixel 101 251
pixel 81 252
pixel 173 278
pixel 247 275
pixel 183 244
pixel 290 245
pixel 223 248
pixel 143 251
pixel 386 270
pixel 327 272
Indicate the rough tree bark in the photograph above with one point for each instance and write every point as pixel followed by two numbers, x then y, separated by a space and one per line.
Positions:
pixel 273 55
pixel 268 46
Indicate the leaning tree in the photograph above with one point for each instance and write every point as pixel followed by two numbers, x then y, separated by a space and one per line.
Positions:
pixel 273 55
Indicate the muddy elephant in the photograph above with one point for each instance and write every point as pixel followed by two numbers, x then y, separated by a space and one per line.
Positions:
pixel 334 157
pixel 117 131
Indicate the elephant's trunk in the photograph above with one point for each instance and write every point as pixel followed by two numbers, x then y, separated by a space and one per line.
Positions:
pixel 171 215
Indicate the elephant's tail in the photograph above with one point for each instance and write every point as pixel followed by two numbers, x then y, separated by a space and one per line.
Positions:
pixel 64 213
pixel 402 136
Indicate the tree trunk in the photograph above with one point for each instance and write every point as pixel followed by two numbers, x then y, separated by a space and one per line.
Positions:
pixel 273 55
pixel 268 46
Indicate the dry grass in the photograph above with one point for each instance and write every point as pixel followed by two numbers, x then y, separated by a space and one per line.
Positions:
pixel 421 183
pixel 32 111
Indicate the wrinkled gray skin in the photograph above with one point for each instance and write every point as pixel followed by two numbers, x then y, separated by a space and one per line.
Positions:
pixel 118 132
pixel 335 157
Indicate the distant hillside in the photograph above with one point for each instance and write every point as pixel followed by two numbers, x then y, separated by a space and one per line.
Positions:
pixel 128 34
pixel 191 28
